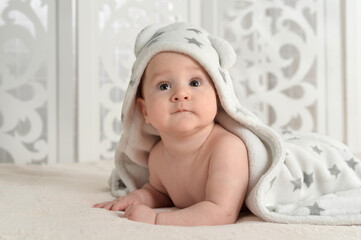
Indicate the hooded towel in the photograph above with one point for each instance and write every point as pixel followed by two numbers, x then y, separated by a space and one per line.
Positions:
pixel 294 177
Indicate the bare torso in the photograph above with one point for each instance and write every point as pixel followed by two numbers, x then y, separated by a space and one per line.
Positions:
pixel 184 179
pixel 208 182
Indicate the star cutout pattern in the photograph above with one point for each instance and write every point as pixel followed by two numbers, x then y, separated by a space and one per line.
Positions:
pixel 315 209
pixel 334 170
pixel 352 163
pixel 194 41
pixel 297 184
pixel 308 179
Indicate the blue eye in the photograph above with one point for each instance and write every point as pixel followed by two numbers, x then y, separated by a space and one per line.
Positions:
pixel 164 86
pixel 195 83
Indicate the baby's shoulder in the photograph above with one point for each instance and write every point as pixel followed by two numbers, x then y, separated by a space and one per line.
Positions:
pixel 155 153
pixel 222 136
pixel 226 142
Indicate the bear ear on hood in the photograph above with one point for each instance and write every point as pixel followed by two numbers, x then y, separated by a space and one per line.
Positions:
pixel 226 54
pixel 145 36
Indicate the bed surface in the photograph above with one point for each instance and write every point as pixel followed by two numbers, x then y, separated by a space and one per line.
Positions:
pixel 55 202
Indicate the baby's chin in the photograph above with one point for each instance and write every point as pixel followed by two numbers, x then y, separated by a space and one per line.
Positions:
pixel 184 128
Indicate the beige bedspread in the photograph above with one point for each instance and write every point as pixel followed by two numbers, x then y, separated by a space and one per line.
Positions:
pixel 55 202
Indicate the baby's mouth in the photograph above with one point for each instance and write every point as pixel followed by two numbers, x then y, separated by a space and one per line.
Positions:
pixel 181 110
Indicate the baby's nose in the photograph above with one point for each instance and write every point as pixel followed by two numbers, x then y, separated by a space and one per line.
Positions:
pixel 181 95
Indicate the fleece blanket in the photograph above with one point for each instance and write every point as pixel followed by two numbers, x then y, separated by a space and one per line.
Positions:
pixel 294 177
pixel 54 202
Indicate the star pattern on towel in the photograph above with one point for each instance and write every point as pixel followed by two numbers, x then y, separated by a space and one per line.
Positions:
pixel 297 184
pixel 315 209
pixel 294 138
pixel 194 30
pixel 308 179
pixel 352 163
pixel 272 182
pixel 152 41
pixel 194 41
pixel 157 34
pixel 222 74
pixel 316 149
pixel 284 132
pixel 155 38
pixel 334 170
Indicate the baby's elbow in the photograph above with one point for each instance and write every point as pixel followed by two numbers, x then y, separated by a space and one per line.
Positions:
pixel 230 217
pixel 227 216
pixel 224 219
pixel 222 213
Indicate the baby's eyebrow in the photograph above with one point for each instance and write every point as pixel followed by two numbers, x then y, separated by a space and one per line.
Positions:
pixel 157 74
pixel 196 69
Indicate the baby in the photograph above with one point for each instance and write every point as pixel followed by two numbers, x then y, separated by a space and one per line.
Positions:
pixel 197 165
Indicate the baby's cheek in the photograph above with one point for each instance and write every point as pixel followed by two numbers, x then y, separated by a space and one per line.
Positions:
pixel 211 109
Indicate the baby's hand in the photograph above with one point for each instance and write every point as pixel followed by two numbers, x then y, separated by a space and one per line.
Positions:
pixel 140 213
pixel 120 204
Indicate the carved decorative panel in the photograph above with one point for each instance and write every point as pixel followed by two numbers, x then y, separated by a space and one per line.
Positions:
pixel 26 80
pixel 280 51
pixel 119 23
pixel 288 69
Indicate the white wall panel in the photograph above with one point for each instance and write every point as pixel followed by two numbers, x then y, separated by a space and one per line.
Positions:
pixel 104 62
pixel 28 94
pixel 353 74
pixel 281 71
pixel 65 66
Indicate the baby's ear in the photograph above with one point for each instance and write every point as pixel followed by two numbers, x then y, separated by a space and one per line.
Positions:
pixel 145 36
pixel 142 108
pixel 226 54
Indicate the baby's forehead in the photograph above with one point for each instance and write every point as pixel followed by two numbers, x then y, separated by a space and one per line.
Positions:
pixel 164 61
pixel 175 56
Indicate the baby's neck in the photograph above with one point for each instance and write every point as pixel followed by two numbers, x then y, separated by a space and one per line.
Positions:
pixel 188 145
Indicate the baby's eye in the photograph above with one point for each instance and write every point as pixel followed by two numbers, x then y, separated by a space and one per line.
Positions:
pixel 195 83
pixel 164 86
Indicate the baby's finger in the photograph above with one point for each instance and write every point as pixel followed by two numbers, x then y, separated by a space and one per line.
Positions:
pixel 128 212
pixel 118 205
pixel 100 205
pixel 108 206
pixel 122 205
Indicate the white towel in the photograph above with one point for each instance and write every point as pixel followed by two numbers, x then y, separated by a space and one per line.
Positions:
pixel 294 177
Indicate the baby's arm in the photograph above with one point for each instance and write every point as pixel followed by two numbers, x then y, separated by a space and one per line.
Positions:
pixel 146 195
pixel 225 191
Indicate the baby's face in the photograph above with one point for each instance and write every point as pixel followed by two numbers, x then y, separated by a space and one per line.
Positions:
pixel 178 94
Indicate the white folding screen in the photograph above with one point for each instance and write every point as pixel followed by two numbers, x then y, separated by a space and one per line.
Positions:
pixel 28 116
pixel 284 62
pixel 107 30
pixel 353 74
pixel 63 75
